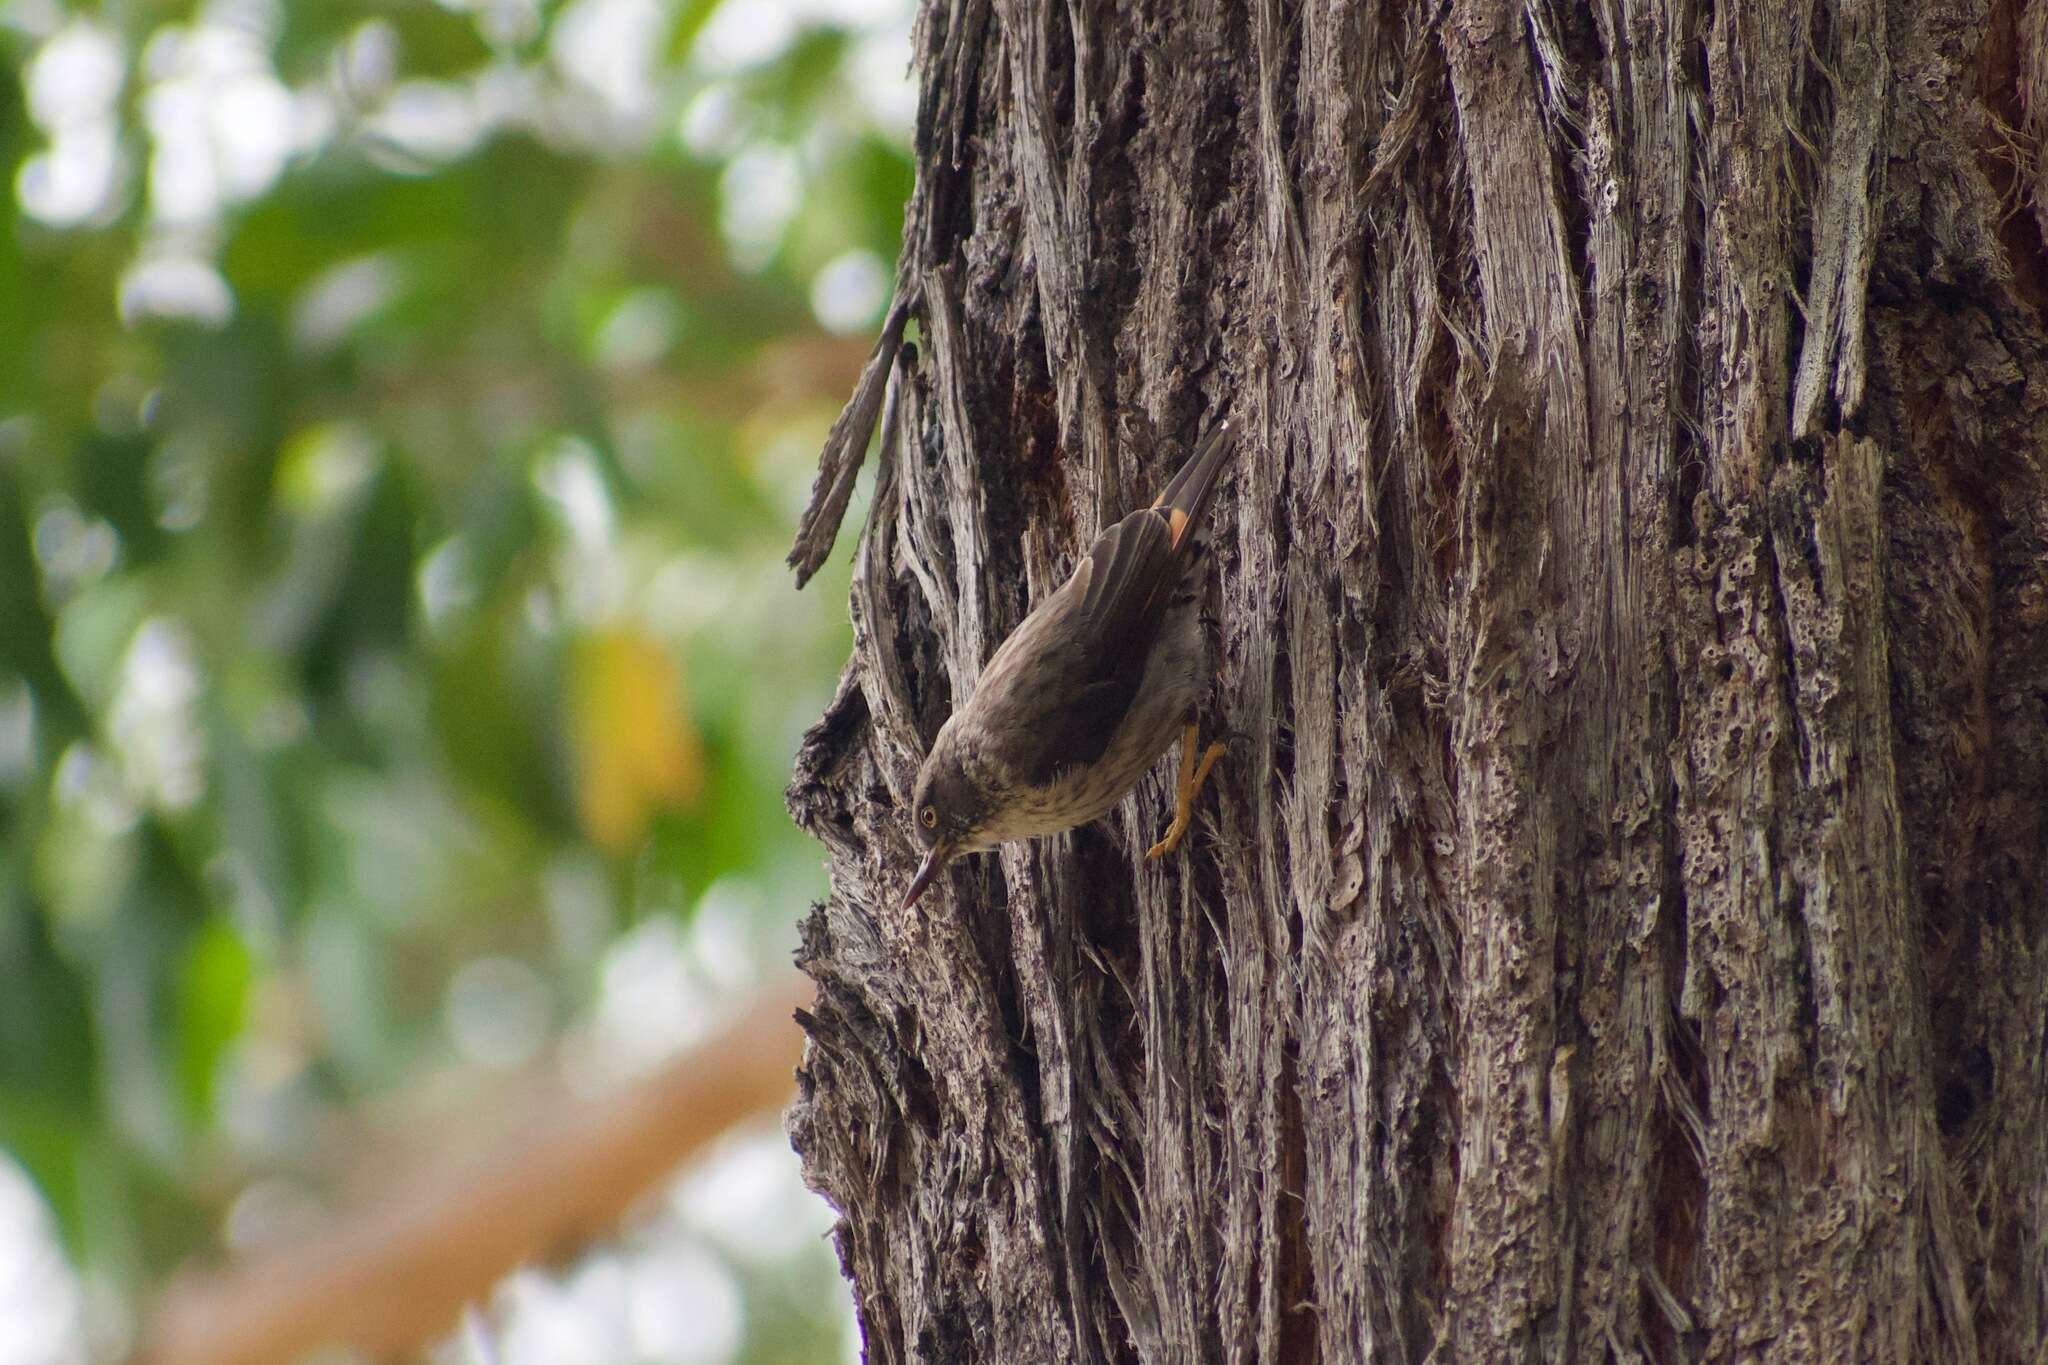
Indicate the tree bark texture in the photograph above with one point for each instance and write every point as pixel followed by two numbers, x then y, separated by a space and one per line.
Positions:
pixel 1618 931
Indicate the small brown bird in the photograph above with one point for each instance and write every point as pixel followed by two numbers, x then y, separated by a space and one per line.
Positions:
pixel 1085 694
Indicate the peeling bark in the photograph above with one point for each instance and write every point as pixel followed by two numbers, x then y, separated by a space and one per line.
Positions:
pixel 1618 931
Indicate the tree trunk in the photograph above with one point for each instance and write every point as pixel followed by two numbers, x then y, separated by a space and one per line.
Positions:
pixel 1618 931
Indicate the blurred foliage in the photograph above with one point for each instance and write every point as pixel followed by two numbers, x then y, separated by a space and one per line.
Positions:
pixel 401 428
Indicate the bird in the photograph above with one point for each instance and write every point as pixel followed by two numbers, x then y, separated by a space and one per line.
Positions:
pixel 1087 692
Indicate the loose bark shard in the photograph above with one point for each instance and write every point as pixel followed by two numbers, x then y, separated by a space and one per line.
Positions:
pixel 846 448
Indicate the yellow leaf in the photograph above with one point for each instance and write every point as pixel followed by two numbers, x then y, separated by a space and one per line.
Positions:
pixel 636 752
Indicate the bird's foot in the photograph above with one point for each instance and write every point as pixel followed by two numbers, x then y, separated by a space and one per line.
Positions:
pixel 1192 776
pixel 1168 844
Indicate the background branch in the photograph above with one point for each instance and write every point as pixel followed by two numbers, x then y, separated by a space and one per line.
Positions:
pixel 392 1277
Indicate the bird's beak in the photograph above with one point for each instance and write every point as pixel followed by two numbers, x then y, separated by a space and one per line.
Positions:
pixel 928 872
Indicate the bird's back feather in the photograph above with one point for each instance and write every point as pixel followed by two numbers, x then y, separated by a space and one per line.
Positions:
pixel 1064 680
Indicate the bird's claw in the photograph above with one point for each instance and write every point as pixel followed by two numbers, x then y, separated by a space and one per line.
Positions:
pixel 1168 842
pixel 1192 774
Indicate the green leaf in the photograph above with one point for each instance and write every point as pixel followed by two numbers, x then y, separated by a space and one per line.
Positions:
pixel 212 994
pixel 691 16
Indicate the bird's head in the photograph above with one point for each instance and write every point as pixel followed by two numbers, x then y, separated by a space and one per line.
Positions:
pixel 949 810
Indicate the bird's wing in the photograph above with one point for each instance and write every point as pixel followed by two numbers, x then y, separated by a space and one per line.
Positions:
pixel 1064 681
pixel 1070 675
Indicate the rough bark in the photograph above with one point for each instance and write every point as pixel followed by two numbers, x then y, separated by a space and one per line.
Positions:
pixel 1619 930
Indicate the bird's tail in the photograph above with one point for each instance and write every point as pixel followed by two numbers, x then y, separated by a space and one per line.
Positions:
pixel 1186 499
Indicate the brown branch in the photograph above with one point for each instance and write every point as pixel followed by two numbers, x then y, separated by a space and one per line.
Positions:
pixel 393 1277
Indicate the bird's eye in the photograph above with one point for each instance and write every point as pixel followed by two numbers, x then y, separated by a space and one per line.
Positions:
pixel 929 817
